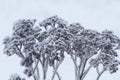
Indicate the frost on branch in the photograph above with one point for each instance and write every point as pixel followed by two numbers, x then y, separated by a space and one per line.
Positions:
pixel 53 22
pixel 108 52
pixel 85 43
pixel 47 44
pixel 23 35
pixel 10 47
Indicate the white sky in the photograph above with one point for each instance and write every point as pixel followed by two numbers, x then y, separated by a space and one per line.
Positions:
pixel 92 14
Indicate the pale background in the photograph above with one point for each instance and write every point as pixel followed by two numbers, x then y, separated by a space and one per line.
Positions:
pixel 92 14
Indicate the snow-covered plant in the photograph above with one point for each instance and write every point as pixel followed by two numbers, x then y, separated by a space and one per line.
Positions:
pixel 16 77
pixel 83 47
pixel 45 45
pixel 36 46
pixel 21 43
pixel 108 46
pixel 51 44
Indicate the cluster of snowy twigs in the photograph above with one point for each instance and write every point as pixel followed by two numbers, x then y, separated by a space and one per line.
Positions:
pixel 45 45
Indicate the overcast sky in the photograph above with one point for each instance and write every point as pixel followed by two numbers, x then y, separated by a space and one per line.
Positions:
pixel 91 14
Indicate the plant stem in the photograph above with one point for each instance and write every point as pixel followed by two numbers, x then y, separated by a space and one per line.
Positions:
pixel 85 73
pixel 100 74
pixel 82 68
pixel 75 64
pixel 55 70
pixel 79 69
pixel 45 66
pixel 36 68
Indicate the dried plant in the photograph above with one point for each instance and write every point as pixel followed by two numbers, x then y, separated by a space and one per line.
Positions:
pixel 47 44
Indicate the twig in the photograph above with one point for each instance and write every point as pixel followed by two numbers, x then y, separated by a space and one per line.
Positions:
pixel 21 55
pixel 79 67
pixel 100 74
pixel 55 70
pixel 86 71
pixel 36 68
pixel 83 67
